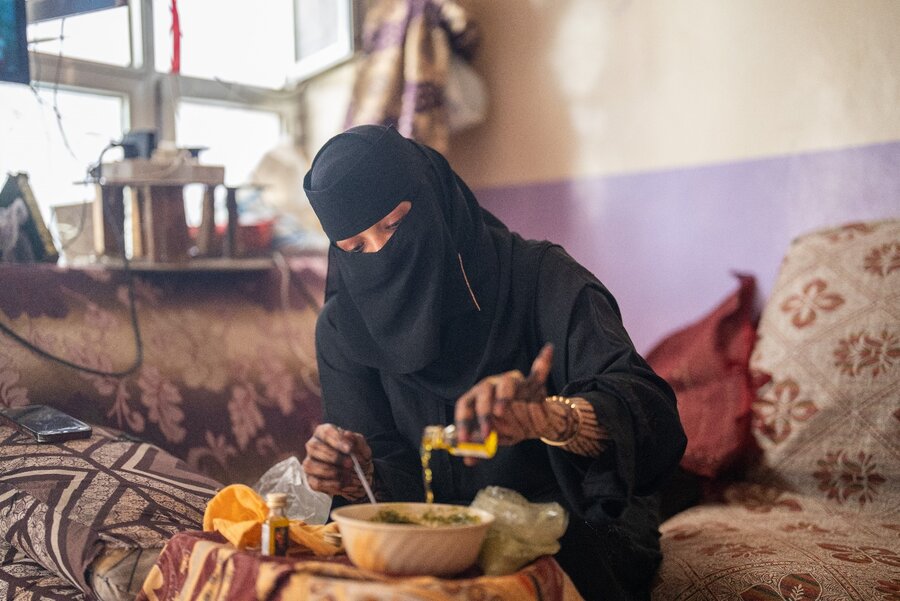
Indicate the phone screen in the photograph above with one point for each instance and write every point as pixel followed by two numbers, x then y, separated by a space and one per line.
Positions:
pixel 46 424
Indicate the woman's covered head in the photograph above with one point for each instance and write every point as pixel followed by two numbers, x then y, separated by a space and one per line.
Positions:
pixel 360 176
pixel 395 293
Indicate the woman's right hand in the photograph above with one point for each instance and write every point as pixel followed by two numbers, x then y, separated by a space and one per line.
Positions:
pixel 328 465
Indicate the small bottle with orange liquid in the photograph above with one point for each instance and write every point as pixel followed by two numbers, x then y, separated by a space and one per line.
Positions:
pixel 275 530
pixel 445 438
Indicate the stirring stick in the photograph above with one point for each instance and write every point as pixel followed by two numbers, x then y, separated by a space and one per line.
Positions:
pixel 362 478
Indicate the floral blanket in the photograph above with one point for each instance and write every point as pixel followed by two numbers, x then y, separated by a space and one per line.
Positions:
pixel 228 380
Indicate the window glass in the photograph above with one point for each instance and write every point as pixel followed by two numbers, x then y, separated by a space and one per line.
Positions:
pixel 103 36
pixel 324 35
pixel 56 157
pixel 231 40
pixel 235 138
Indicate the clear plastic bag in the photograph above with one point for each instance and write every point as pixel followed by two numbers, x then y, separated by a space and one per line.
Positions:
pixel 521 532
pixel 304 503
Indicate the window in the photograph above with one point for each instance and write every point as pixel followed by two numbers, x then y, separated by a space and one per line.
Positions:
pixel 106 72
pixel 56 152
pixel 77 37
pixel 232 136
pixel 246 42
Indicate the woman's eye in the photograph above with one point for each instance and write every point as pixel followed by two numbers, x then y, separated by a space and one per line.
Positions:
pixel 358 248
pixel 395 225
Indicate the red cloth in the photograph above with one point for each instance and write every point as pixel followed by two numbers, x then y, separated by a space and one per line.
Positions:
pixel 199 565
pixel 176 39
pixel 706 363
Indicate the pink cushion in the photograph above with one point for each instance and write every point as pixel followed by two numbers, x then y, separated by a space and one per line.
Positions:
pixel 706 363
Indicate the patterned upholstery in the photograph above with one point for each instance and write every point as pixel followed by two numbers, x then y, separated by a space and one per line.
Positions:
pixel 23 579
pixel 819 516
pixel 768 544
pixel 229 380
pixel 829 420
pixel 66 505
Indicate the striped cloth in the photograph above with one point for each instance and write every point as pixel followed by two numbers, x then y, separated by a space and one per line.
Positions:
pixel 67 506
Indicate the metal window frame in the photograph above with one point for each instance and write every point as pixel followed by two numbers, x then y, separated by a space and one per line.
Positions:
pixel 152 96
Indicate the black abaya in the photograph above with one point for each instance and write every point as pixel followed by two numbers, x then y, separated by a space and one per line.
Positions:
pixel 610 549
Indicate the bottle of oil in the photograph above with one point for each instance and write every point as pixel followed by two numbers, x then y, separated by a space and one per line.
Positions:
pixel 445 438
pixel 275 530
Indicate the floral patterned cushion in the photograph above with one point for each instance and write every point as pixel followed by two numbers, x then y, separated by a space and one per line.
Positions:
pixel 228 382
pixel 766 544
pixel 819 516
pixel 828 421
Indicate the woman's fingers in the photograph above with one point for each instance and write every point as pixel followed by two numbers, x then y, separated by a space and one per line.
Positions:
pixel 359 446
pixel 338 438
pixel 327 465
pixel 464 413
pixel 505 391
pixel 485 397
pixel 540 367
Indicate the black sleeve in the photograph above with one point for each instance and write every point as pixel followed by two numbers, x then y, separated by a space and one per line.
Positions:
pixel 354 399
pixel 596 360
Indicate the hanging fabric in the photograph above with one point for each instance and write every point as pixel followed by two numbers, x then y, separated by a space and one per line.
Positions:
pixel 175 67
pixel 403 76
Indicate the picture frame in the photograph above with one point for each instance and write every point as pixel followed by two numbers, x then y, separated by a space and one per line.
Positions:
pixel 24 237
pixel 326 32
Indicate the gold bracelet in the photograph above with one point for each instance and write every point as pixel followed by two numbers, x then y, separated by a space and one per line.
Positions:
pixel 571 405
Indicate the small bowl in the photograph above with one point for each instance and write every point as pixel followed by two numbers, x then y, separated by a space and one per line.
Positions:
pixel 411 549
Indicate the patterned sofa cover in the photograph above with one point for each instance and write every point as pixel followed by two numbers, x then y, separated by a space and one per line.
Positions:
pixel 819 516
pixel 228 381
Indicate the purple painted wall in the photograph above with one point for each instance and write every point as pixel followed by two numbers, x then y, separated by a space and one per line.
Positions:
pixel 666 242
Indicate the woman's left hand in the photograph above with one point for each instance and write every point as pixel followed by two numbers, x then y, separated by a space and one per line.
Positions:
pixel 510 403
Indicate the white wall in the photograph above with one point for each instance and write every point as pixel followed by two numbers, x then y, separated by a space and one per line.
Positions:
pixel 666 143
pixel 587 87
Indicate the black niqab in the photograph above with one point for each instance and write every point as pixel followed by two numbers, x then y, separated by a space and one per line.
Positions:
pixel 423 304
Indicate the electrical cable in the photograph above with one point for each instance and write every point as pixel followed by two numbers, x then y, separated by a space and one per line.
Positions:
pixel 59 124
pixel 83 216
pixel 129 277
pixel 58 116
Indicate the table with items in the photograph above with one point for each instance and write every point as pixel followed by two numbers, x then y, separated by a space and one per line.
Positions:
pixel 203 565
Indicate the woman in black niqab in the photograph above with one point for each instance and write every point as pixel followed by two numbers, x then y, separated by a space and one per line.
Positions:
pixel 442 324
pixel 402 307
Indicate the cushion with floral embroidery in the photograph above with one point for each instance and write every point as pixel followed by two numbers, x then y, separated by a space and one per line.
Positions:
pixel 828 421
pixel 765 543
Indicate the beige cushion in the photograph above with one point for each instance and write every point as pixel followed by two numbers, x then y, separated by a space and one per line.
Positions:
pixel 766 544
pixel 829 420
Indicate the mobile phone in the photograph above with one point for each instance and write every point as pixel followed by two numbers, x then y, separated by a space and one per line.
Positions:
pixel 46 423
